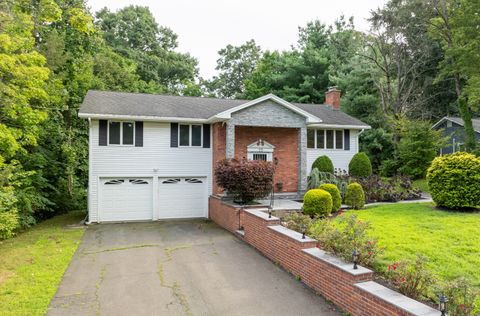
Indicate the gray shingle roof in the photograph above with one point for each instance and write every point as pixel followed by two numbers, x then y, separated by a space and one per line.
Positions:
pixel 459 120
pixel 158 105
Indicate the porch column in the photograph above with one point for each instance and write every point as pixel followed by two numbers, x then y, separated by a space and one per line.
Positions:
pixel 302 159
pixel 230 141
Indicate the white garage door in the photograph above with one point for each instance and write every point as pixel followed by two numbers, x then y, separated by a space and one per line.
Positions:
pixel 182 197
pixel 126 199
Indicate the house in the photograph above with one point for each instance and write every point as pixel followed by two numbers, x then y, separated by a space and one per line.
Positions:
pixel 453 128
pixel 152 156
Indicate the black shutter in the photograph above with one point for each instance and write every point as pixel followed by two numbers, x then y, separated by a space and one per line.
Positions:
pixel 206 135
pixel 138 134
pixel 173 134
pixel 102 133
pixel 346 139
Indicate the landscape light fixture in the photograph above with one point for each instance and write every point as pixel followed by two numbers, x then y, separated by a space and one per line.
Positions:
pixel 443 304
pixel 270 211
pixel 355 256
pixel 304 230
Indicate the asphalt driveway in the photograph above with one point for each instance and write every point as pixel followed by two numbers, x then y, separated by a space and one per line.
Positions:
pixel 177 268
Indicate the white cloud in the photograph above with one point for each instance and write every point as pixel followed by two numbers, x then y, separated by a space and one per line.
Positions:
pixel 206 26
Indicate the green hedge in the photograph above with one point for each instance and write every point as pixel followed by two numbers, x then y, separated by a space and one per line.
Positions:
pixel 323 164
pixel 335 193
pixel 355 197
pixel 317 202
pixel 360 165
pixel 454 181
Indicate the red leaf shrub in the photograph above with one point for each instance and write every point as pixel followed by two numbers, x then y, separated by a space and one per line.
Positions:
pixel 246 180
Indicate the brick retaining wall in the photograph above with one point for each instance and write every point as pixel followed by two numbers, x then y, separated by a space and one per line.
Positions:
pixel 352 290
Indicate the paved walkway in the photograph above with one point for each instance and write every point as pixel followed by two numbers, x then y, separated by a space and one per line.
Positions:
pixel 177 268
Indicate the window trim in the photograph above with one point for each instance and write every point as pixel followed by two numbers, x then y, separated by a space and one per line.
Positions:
pixel 121 134
pixel 190 134
pixel 315 134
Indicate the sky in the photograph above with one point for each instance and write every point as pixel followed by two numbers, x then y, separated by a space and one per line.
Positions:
pixel 206 26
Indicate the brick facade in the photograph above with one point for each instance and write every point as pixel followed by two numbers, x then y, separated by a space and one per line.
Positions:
pixel 327 275
pixel 286 150
pixel 285 141
pixel 219 133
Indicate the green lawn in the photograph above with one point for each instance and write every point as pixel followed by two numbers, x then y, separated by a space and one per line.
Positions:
pixel 32 264
pixel 451 240
pixel 422 185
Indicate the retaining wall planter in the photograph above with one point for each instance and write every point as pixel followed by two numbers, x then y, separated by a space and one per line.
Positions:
pixel 352 290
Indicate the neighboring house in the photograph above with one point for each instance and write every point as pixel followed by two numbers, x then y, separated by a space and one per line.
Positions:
pixel 453 128
pixel 152 156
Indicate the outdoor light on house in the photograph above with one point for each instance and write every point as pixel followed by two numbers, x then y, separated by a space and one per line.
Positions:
pixel 443 304
pixel 355 256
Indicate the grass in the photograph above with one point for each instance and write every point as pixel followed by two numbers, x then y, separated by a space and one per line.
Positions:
pixel 422 185
pixel 450 240
pixel 32 264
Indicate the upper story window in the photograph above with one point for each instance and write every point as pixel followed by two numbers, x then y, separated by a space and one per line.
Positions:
pixel 121 133
pixel 190 135
pixel 325 138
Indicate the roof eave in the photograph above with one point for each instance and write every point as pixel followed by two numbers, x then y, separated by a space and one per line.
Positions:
pixel 344 126
pixel 141 118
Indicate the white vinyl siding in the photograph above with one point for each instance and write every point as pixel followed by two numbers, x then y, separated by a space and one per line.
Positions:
pixel 155 159
pixel 340 158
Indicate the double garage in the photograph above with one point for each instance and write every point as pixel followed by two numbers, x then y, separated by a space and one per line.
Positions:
pixel 151 198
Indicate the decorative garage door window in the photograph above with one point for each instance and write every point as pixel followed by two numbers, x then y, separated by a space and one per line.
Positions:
pixel 114 181
pixel 260 150
pixel 171 181
pixel 193 180
pixel 138 181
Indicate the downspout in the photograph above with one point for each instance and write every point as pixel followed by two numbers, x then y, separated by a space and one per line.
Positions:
pixel 89 200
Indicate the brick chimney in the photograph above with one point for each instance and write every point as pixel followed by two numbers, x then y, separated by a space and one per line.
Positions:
pixel 332 97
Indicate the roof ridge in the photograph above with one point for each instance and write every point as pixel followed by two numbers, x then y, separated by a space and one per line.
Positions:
pixel 168 95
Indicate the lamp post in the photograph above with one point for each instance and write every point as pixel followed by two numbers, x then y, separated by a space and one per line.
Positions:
pixel 304 230
pixel 443 304
pixel 355 256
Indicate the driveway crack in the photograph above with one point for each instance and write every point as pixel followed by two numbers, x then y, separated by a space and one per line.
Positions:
pixel 174 287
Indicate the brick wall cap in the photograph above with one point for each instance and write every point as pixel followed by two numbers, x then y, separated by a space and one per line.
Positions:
pixel 396 299
pixel 261 213
pixel 336 262
pixel 291 234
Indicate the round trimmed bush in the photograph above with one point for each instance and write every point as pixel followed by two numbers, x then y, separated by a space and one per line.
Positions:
pixel 317 202
pixel 335 193
pixel 360 166
pixel 323 164
pixel 454 181
pixel 355 197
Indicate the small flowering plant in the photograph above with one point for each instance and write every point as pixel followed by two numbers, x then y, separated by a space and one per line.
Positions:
pixel 351 234
pixel 410 278
pixel 462 296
